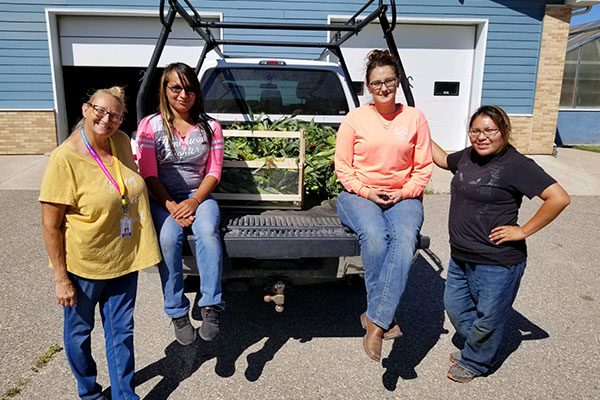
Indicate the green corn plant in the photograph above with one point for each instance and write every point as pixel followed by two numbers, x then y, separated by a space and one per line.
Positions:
pixel 320 179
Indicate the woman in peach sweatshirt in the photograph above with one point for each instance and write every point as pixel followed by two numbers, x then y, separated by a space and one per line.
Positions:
pixel 383 160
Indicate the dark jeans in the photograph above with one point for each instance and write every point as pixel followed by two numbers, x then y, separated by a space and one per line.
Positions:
pixel 478 298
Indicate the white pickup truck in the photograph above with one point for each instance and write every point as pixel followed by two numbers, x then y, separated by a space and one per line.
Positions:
pixel 235 89
pixel 279 245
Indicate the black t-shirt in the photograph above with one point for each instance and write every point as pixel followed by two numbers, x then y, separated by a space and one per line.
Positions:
pixel 487 192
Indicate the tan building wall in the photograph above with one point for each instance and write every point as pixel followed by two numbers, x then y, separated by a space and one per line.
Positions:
pixel 542 130
pixel 521 132
pixel 27 132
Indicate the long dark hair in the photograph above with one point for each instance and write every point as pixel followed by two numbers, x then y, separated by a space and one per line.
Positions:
pixel 188 77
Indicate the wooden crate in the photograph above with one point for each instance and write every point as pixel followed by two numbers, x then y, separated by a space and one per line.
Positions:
pixel 264 166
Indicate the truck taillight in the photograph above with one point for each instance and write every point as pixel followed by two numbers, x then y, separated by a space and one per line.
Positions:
pixel 271 62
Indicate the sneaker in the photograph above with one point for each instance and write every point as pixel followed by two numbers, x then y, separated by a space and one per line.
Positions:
pixel 184 331
pixel 460 374
pixel 454 357
pixel 210 323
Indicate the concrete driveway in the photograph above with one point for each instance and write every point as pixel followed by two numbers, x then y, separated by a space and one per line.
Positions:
pixel 313 349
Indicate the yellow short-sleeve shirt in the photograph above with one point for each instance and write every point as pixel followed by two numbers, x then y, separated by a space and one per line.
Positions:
pixel 94 247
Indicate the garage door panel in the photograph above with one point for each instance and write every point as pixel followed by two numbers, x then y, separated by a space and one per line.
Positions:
pixel 422 36
pixel 118 52
pixel 124 27
pixel 115 41
pixel 442 37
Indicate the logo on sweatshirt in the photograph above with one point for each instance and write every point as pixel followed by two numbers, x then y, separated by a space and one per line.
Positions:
pixel 401 133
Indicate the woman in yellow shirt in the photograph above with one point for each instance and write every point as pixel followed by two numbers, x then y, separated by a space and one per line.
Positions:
pixel 98 232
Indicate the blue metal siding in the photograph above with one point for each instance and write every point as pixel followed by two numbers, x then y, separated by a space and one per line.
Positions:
pixel 509 75
pixel 25 78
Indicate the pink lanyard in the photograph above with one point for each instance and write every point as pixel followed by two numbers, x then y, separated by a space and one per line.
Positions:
pixel 120 185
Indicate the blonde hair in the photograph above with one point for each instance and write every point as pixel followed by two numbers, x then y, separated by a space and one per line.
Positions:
pixel 118 92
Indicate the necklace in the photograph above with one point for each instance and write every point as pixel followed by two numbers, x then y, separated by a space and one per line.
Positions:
pixel 386 123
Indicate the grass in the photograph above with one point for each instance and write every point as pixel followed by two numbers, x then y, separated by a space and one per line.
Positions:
pixel 46 357
pixel 38 363
pixel 15 390
pixel 594 148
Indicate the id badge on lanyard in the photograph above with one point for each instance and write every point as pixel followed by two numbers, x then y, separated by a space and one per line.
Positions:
pixel 126 227
pixel 126 224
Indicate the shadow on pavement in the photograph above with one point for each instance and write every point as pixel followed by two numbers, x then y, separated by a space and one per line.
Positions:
pixel 519 329
pixel 325 310
pixel 316 311
pixel 421 317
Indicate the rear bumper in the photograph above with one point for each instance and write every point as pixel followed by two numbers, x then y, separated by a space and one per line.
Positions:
pixel 305 245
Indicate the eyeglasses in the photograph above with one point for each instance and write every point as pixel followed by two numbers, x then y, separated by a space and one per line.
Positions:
pixel 176 89
pixel 389 83
pixel 100 112
pixel 488 132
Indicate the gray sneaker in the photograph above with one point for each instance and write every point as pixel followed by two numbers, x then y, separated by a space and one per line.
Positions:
pixel 210 323
pixel 184 331
pixel 454 357
pixel 460 374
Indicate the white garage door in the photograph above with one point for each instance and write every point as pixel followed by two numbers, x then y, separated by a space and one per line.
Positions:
pixel 124 41
pixel 438 60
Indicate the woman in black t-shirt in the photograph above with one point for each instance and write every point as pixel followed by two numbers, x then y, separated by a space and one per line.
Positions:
pixel 488 252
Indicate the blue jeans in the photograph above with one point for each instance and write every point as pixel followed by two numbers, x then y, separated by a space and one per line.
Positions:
pixel 388 241
pixel 478 299
pixel 116 299
pixel 209 256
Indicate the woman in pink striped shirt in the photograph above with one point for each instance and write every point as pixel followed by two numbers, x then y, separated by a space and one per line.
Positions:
pixel 180 158
pixel 383 160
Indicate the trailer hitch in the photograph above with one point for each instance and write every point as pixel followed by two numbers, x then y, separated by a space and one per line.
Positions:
pixel 278 297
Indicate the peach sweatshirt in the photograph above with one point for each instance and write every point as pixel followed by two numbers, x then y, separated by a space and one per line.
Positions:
pixel 369 156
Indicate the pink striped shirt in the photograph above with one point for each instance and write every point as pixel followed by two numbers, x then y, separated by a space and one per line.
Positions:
pixel 182 168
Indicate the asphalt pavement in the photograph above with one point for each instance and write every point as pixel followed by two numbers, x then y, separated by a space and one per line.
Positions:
pixel 313 350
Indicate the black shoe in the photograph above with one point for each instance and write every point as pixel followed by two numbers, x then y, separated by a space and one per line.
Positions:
pixel 184 331
pixel 210 323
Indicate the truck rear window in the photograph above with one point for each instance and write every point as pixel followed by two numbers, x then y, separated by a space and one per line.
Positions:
pixel 273 91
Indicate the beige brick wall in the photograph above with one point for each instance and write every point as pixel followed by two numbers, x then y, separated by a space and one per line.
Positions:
pixel 555 34
pixel 521 132
pixel 27 132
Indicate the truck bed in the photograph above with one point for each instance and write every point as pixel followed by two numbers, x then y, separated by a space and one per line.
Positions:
pixel 288 234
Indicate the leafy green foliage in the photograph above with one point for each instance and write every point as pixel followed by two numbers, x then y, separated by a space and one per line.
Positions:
pixel 320 179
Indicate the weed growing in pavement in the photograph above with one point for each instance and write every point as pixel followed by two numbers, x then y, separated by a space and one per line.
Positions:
pixel 38 363
pixel 15 390
pixel 46 357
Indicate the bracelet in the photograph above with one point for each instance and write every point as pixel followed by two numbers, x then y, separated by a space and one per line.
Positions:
pixel 195 199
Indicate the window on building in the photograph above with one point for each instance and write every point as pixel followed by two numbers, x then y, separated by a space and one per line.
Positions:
pixel 581 79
